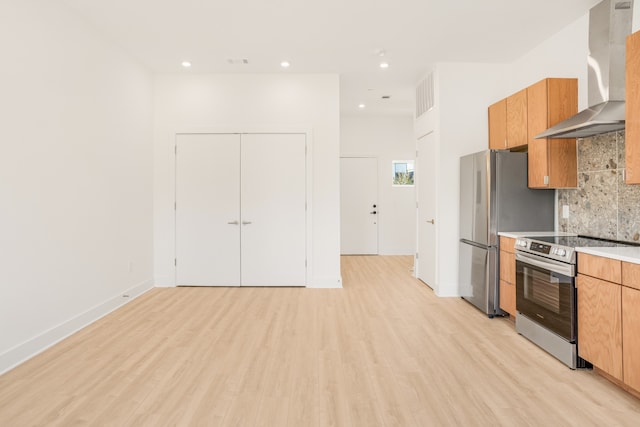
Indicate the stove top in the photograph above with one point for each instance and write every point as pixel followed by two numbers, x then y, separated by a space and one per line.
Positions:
pixel 578 241
pixel 562 248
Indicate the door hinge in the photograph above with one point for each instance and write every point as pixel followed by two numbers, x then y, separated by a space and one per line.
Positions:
pixel 175 149
pixel 546 180
pixel 416 153
pixel 175 262
pixel 175 206
pixel 305 262
pixel 416 205
pixel 417 256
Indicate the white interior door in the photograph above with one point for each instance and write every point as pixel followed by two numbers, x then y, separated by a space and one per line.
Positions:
pixel 426 181
pixel 273 210
pixel 359 206
pixel 208 210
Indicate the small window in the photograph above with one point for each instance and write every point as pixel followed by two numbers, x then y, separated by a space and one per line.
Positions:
pixel 403 173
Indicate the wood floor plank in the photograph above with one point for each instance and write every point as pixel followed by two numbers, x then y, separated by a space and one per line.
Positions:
pixel 382 351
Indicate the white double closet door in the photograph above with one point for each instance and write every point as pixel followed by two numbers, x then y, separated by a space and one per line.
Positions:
pixel 240 210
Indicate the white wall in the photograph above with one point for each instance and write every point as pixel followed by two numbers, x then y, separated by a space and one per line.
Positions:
pixel 75 177
pixel 562 55
pixel 387 138
pixel 258 102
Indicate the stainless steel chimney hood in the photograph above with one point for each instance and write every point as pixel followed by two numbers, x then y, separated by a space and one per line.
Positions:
pixel 609 26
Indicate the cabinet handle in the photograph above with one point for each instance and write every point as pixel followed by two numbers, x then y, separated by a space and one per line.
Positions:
pixel 433 221
pixel 233 222
pixel 246 222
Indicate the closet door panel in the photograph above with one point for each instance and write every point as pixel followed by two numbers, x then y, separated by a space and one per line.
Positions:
pixel 273 195
pixel 208 210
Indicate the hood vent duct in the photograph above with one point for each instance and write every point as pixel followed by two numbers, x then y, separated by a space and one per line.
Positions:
pixel 609 26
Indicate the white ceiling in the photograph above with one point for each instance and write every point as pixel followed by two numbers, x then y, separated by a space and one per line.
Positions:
pixel 330 36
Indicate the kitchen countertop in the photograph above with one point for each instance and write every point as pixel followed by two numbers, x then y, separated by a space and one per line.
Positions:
pixel 624 253
pixel 516 234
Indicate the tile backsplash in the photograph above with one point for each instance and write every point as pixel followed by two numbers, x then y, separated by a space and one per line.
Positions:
pixel 602 205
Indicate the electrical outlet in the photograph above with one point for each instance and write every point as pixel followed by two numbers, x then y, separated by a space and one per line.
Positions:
pixel 565 211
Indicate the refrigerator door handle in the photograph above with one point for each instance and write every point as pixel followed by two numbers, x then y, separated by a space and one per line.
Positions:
pixel 477 245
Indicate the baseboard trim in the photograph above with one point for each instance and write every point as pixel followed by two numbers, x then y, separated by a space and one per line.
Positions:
pixel 326 283
pixel 25 351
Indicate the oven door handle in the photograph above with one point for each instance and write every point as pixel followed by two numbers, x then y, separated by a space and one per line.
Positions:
pixel 554 266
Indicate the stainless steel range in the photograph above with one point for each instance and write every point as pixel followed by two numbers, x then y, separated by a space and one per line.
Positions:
pixel 546 302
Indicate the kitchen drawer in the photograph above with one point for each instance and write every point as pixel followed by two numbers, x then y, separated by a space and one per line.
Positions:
pixel 600 267
pixel 507 244
pixel 631 275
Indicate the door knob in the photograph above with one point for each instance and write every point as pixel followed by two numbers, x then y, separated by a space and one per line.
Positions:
pixel 246 222
pixel 233 222
pixel 373 212
pixel 433 221
pixel 375 206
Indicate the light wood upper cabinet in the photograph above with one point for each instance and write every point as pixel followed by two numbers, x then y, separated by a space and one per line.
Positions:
pixel 498 125
pixel 553 163
pixel 508 122
pixel 517 119
pixel 632 115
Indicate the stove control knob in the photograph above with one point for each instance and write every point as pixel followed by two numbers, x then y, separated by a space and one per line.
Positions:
pixel 561 252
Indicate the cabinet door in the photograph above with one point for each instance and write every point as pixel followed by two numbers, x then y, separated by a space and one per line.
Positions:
pixel 563 159
pixel 517 119
pixel 600 324
pixel 208 210
pixel 552 162
pixel 498 125
pixel 631 336
pixel 273 210
pixel 537 122
pixel 507 266
pixel 632 116
pixel 508 297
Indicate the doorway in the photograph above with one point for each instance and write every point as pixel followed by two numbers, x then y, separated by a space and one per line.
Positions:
pixel 359 211
pixel 426 173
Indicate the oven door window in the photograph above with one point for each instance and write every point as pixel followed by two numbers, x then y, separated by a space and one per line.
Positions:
pixel 546 298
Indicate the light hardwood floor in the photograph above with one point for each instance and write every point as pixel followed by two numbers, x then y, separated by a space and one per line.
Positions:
pixel 382 351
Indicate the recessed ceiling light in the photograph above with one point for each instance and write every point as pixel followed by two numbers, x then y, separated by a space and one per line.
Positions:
pixel 285 64
pixel 384 65
pixel 361 106
pixel 186 64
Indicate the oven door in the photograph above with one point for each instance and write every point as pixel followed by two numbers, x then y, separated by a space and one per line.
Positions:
pixel 545 293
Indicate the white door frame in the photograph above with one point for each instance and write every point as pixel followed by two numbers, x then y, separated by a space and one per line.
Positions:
pixel 171 147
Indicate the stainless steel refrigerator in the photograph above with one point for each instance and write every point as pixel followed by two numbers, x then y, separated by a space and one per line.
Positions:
pixel 494 197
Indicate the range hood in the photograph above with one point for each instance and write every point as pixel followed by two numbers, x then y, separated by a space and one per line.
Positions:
pixel 609 26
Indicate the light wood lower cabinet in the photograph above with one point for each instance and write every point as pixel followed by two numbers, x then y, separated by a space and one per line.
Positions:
pixel 631 336
pixel 600 324
pixel 507 275
pixel 609 317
